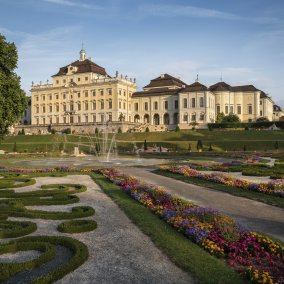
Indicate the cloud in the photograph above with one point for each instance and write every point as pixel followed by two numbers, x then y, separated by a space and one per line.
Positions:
pixel 40 55
pixel 197 12
pixel 74 4
pixel 187 11
pixel 9 32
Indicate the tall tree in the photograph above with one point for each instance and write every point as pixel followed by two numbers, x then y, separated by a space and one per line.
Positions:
pixel 13 100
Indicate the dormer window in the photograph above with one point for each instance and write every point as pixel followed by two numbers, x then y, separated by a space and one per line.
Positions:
pixel 71 69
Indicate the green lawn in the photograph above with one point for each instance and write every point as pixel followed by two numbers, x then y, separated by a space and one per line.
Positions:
pixel 221 140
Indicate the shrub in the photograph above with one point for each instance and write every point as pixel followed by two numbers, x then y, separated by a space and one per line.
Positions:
pixel 77 226
pixel 145 145
pixel 147 129
pixel 15 147
pixel 47 245
pixel 13 229
pixel 177 129
pixel 210 148
pixel 199 145
pixel 67 131
pixel 96 130
pixel 119 130
pixel 10 269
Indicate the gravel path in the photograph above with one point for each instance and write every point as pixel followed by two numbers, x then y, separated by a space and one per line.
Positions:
pixel 252 214
pixel 119 251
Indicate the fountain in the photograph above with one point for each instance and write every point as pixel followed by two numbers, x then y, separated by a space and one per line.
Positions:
pixel 104 148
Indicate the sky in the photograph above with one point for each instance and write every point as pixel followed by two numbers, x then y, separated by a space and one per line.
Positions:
pixel 239 42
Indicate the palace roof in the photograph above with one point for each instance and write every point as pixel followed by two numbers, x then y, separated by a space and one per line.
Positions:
pixel 84 66
pixel 195 87
pixel 245 88
pixel 220 87
pixel 156 92
pixel 165 80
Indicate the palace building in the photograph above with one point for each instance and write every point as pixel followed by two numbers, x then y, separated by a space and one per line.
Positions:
pixel 82 97
pixel 82 94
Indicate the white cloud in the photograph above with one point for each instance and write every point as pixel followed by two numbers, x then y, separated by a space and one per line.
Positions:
pixel 40 55
pixel 197 12
pixel 74 4
pixel 9 32
pixel 180 10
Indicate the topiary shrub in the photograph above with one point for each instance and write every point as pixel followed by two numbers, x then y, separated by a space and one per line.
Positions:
pixel 177 129
pixel 47 245
pixel 199 146
pixel 147 129
pixel 13 229
pixel 77 226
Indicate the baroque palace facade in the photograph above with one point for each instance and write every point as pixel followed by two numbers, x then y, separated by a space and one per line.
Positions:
pixel 82 96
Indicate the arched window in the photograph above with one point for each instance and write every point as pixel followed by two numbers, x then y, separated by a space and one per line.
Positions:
pixel 176 118
pixel 137 118
pixel 146 118
pixel 166 119
pixel 156 119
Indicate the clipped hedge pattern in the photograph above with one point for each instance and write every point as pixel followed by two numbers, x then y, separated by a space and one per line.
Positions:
pixel 13 229
pixel 45 244
pixel 77 226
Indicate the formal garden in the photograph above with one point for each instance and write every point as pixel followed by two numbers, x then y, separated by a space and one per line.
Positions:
pixel 45 236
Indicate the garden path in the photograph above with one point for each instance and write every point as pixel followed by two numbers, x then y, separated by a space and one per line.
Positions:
pixel 118 251
pixel 254 215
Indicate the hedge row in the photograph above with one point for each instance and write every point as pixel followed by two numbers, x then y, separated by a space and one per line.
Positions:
pixel 47 245
pixel 77 226
pixel 256 125
pixel 13 229
pixel 9 269
pixel 20 211
pixel 16 182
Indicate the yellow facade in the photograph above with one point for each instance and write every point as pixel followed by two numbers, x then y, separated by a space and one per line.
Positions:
pixel 82 94
pixel 82 97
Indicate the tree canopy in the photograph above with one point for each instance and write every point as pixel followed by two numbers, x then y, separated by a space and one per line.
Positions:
pixel 231 118
pixel 13 100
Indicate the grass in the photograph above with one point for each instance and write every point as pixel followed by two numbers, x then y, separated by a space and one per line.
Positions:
pixel 220 140
pixel 185 254
pixel 258 196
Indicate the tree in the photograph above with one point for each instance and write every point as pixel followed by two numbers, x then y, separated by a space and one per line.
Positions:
pixel 210 148
pixel 245 148
pixel 189 147
pixel 61 146
pixel 119 130
pixel 121 117
pixel 15 147
pixel 199 146
pixel 231 118
pixel 13 100
pixel 262 119
pixel 96 130
pixel 276 145
pixel 145 145
pixel 220 117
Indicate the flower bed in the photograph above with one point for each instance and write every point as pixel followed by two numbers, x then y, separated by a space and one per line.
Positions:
pixel 258 258
pixel 274 187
